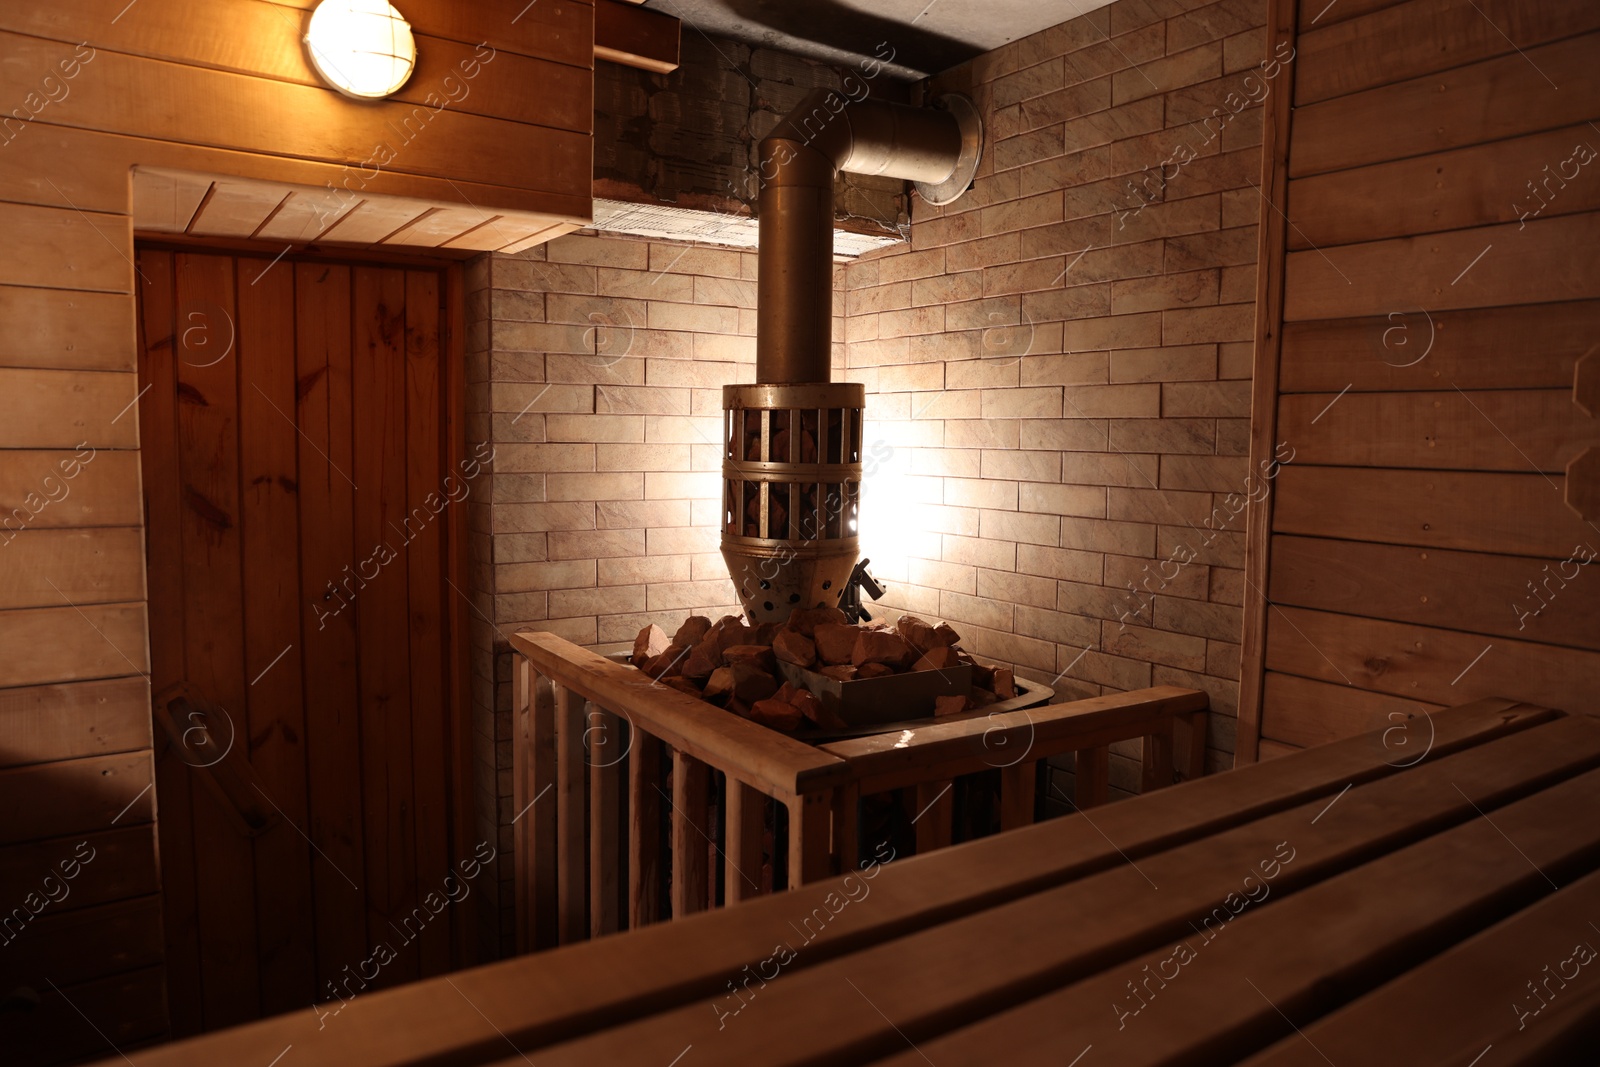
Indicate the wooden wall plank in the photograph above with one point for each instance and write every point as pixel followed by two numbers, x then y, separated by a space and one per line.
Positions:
pixel 63 329
pixel 43 723
pixel 85 794
pixel 74 946
pixel 169 102
pixel 1431 509
pixel 273 658
pixel 1541 262
pixel 1420 663
pixel 43 645
pixel 1505 430
pixel 46 168
pixel 95 566
pixel 127 1009
pixel 1412 349
pixel 56 489
pixel 374 219
pixel 1537 176
pixel 264 39
pixel 1302 712
pixel 236 209
pixel 159 353
pixel 113 865
pixel 323 344
pixel 1501 97
pixel 1509 596
pixel 378 298
pixel 165 201
pixel 428 494
pixel 62 408
pixel 562 29
pixel 1423 36
pixel 60 247
pixel 213 636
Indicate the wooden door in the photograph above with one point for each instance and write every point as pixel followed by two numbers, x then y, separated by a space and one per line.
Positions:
pixel 300 490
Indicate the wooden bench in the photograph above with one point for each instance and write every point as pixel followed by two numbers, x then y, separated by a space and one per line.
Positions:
pixel 1410 901
pixel 595 817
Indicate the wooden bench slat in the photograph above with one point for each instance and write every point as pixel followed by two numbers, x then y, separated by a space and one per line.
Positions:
pixel 741 875
pixel 1305 955
pixel 562 994
pixel 1430 1015
pixel 930 982
pixel 604 754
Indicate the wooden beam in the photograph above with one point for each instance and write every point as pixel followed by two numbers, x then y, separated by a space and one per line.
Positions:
pixel 636 36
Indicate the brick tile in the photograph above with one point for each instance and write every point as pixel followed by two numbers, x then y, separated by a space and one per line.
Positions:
pixel 1197 214
pixel 568 574
pixel 975 255
pixel 1069 435
pixel 1093 600
pixel 1103 535
pixel 507 305
pixel 983 374
pixel 673 485
pixel 947 289
pixel 1210 547
pixel 1056 627
pixel 1139 400
pixel 645 285
pixel 909 266
pixel 640 400
pixel 944 576
pixel 1035 403
pixel 1137 504
pixel 727 292
pixel 696 373
pixel 592 544
pixel 676 258
pixel 598 251
pixel 1206 399
pixel 944 462
pixel 1037 210
pixel 515 488
pixel 1183 436
pixel 541 337
pixel 1078 167
pixel 1176 363
pixel 677 429
pixel 530 277
pixel 1129 45
pixel 650 515
pixel 1220 621
pixel 1072 102
pixel 1032 147
pixel 1060 563
pixel 1222 659
pixel 1229 322
pixel 539 518
pixel 1221 248
pixel 1021 466
pixel 1244 50
pixel 1075 368
pixel 1029 82
pixel 1233 437
pixel 1236 359
pixel 917 320
pixel 692 318
pixel 1143 579
pixel 681 541
pixel 1116 331
pixel 1217 474
pixel 1017 589
pixel 1081 500
pixel 973 552
pixel 958 608
pixel 512 458
pixel 1213 22
pixel 1020 527
pixel 1227 586
pixel 645 570
pixel 1109 468
pixel 614 598
pixel 1163 75
pixel 592 486
pixel 1068 305
pixel 525 547
pixel 592 368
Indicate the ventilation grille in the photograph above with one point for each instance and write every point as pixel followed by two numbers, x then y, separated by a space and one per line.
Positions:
pixel 710 227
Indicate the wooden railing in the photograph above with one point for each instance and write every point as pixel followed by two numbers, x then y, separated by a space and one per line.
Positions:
pixel 595 742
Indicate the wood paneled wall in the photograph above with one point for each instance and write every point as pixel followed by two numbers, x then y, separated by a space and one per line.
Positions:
pixel 1433 283
pixel 88 90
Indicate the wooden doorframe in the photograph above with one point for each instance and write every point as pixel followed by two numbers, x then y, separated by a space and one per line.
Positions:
pixel 464 925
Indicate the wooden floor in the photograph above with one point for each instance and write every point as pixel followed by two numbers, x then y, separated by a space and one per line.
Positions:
pixel 1381 900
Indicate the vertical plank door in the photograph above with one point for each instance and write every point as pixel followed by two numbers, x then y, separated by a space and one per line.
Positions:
pixel 295 458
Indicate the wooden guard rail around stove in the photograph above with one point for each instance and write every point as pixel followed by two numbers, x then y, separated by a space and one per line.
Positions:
pixel 593 816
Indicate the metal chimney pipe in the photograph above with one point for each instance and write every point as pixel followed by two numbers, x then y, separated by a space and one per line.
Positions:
pixel 937 148
pixel 792 442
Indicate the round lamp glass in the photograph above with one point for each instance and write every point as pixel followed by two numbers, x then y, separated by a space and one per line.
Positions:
pixel 363 48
